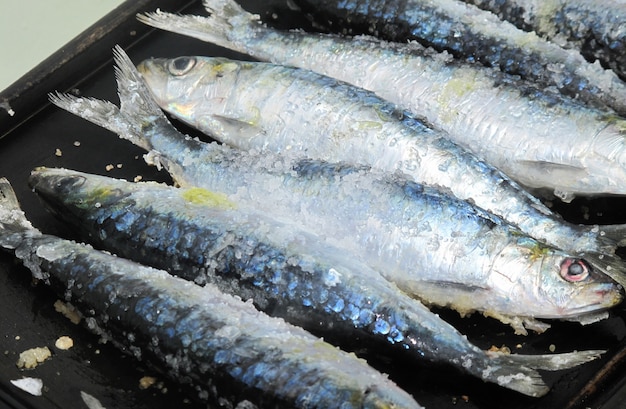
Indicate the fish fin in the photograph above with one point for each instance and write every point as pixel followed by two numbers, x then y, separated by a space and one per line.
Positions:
pixel 588 319
pixel 138 110
pixel 223 125
pixel 532 170
pixel 12 218
pixel 519 324
pixel 614 234
pixel 519 372
pixel 547 166
pixel 102 113
pixel 611 265
pixel 552 362
pixel 213 29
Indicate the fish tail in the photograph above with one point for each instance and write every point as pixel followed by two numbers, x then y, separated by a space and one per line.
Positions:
pixel 213 29
pixel 610 265
pixel 12 218
pixel 94 110
pixel 137 114
pixel 519 372
pixel 613 234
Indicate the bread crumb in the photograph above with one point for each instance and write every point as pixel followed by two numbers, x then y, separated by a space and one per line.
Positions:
pixel 64 343
pixel 146 382
pixel 68 310
pixel 109 167
pixel 119 165
pixel 138 178
pixel 503 349
pixel 58 152
pixel 7 107
pixel 552 348
pixel 77 143
pixel 32 357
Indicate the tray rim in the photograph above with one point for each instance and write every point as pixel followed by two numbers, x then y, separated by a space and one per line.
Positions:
pixel 65 68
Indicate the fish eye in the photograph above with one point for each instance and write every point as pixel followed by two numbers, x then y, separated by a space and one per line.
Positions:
pixel 181 65
pixel 574 269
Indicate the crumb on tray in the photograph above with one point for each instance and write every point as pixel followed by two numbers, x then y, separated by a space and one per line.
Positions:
pixel 32 357
pixel 64 343
pixel 503 349
pixel 146 382
pixel 68 310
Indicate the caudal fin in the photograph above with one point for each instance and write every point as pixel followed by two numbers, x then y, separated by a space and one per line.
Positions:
pixel 614 234
pixel 138 111
pixel 611 265
pixel 225 15
pixel 12 218
pixel 519 372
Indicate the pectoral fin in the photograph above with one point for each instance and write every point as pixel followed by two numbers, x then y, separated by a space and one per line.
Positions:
pixel 237 132
pixel 559 178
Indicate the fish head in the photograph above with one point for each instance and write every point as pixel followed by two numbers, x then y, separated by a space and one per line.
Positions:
pixel 66 192
pixel 190 86
pixel 543 282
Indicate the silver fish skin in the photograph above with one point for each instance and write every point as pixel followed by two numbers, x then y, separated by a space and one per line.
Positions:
pixel 404 230
pixel 266 107
pixel 538 138
pixel 475 35
pixel 288 273
pixel 596 29
pixel 224 345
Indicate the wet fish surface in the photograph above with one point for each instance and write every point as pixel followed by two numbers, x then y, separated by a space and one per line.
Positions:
pixel 406 231
pixel 594 28
pixel 223 344
pixel 536 137
pixel 288 273
pixel 472 34
pixel 265 107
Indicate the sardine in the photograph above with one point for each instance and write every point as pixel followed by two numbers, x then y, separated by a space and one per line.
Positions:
pixel 261 106
pixel 475 35
pixel 433 246
pixel 224 345
pixel 202 236
pixel 596 29
pixel 538 138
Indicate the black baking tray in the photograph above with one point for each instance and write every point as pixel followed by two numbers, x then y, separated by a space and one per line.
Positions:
pixel 40 134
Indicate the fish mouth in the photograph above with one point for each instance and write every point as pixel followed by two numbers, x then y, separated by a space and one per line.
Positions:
pixel 51 181
pixel 606 297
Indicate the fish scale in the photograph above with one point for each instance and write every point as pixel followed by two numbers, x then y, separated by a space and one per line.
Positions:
pixel 370 133
pixel 439 249
pixel 369 130
pixel 596 29
pixel 475 35
pixel 535 136
pixel 318 287
pixel 223 345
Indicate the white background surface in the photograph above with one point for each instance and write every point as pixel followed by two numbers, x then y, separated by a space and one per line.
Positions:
pixel 31 30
